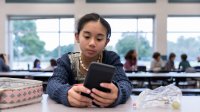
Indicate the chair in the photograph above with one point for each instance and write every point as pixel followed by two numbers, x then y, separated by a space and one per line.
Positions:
pixel 141 68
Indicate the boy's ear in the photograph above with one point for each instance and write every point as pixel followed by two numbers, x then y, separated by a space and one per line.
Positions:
pixel 77 37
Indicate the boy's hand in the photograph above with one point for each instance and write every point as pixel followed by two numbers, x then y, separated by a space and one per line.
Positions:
pixel 104 99
pixel 76 99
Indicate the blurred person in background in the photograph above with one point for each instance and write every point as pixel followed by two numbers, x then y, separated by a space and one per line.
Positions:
pixel 131 60
pixel 53 64
pixel 156 63
pixel 36 65
pixel 4 63
pixel 184 64
pixel 198 59
pixel 170 63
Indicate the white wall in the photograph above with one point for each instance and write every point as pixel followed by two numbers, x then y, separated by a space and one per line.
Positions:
pixel 161 9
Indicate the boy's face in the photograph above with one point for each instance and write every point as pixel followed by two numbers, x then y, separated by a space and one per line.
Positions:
pixel 92 39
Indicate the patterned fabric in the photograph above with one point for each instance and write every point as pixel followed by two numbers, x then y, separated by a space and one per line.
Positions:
pixel 74 59
pixel 14 91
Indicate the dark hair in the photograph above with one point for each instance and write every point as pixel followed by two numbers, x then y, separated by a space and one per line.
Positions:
pixel 35 63
pixel 172 55
pixel 93 17
pixel 184 57
pixel 53 62
pixel 128 55
pixel 156 55
pixel 2 56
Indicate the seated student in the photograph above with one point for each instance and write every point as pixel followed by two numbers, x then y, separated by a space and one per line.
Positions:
pixel 198 67
pixel 36 64
pixel 52 66
pixel 93 34
pixel 131 61
pixel 184 64
pixel 3 63
pixel 169 66
pixel 156 63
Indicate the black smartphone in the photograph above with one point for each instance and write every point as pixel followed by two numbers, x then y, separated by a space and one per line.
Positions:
pixel 98 73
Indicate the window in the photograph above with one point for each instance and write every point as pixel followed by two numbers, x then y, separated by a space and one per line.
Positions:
pixel 184 37
pixel 132 33
pixel 39 1
pixel 120 1
pixel 184 1
pixel 39 38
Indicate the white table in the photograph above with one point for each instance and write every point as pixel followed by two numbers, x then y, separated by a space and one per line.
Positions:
pixel 163 75
pixel 26 74
pixel 189 104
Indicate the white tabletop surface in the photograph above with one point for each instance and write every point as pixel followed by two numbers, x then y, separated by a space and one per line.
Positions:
pixel 133 75
pixel 170 74
pixel 189 104
pixel 26 73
